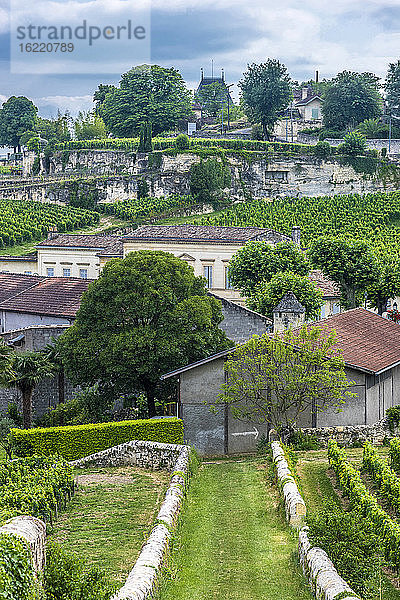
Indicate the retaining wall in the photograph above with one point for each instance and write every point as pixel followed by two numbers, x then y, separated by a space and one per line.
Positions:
pixel 351 434
pixel 33 532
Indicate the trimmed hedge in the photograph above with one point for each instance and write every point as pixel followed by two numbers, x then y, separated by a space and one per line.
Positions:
pixel 76 441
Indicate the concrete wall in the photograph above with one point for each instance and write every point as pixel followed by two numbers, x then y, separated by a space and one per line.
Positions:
pixel 18 320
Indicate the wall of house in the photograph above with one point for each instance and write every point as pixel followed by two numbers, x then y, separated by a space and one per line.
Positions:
pixel 17 320
pixel 307 111
pixel 284 128
pixel 240 324
pixel 12 264
pixel 68 258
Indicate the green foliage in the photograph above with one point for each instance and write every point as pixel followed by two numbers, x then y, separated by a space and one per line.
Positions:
pixel 182 141
pixel 392 87
pixel 283 376
pixel 142 189
pixel 354 144
pixel 17 580
pixel 160 318
pixel 257 132
pixel 351 483
pixel 68 578
pixel 298 440
pixel 322 149
pixel 145 141
pixel 212 97
pixel 350 542
pixel 265 91
pixel 151 94
pixel 83 194
pixel 17 116
pixel 258 262
pixel 25 220
pixel 89 126
pixel 373 128
pixel 393 417
pixel 386 480
pixel 394 444
pixel 73 442
pixel 267 295
pixel 37 486
pixel 89 406
pixel 350 99
pixel 143 208
pixel 208 178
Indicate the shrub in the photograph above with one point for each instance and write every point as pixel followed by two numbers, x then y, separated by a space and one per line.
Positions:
pixel 354 144
pixel 351 544
pixel 142 188
pixel 17 580
pixel 182 142
pixel 393 417
pixel 68 578
pixel 257 132
pixel 384 152
pixel 208 178
pixel 322 149
pixel 73 442
pixel 303 441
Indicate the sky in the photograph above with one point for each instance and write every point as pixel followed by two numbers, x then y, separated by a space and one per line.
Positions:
pixel 358 35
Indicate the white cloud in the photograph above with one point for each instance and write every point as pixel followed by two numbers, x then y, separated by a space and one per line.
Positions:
pixel 73 104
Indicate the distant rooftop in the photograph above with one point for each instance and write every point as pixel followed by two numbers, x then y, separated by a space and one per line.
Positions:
pixel 328 287
pixel 105 244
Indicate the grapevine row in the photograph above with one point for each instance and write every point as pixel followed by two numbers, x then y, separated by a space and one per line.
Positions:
pixel 382 475
pixel 351 483
pixel 144 208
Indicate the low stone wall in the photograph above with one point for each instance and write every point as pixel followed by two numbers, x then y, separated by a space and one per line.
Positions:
pixel 317 567
pixel 143 578
pixel 351 434
pixel 33 532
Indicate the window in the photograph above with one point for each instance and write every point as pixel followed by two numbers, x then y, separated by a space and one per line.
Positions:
pixel 50 272
pixel 83 273
pixel 28 272
pixel 66 272
pixel 208 275
pixel 228 285
pixel 335 308
pixel 323 312
pixel 315 113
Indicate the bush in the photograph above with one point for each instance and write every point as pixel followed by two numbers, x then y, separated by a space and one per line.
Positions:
pixel 351 544
pixel 17 581
pixel 73 442
pixel 257 132
pixel 393 417
pixel 355 144
pixel 322 149
pixel 182 142
pixel 68 578
pixel 208 178
pixel 89 406
pixel 303 441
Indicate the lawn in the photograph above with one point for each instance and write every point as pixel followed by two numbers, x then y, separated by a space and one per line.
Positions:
pixel 234 543
pixel 109 518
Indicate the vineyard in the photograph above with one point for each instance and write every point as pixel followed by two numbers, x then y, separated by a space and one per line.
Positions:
pixel 374 216
pixel 22 220
pixel 136 210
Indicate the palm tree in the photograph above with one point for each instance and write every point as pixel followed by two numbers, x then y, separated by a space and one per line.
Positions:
pixel 28 368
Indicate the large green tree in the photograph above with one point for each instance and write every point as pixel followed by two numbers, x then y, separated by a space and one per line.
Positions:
pixel 89 126
pixel 17 115
pixel 265 91
pixel 274 379
pixel 259 261
pixel 386 284
pixel 392 88
pixel 212 98
pixel 350 99
pixel 351 264
pixel 150 94
pixel 268 294
pixel 146 314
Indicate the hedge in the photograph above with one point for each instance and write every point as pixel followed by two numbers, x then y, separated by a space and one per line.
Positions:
pixel 17 578
pixel 76 441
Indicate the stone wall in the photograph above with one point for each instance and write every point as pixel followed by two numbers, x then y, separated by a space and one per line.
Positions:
pixel 372 144
pixel 352 434
pixel 33 532
pixel 241 323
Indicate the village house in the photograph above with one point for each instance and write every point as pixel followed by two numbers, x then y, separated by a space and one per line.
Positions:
pixel 305 112
pixel 371 350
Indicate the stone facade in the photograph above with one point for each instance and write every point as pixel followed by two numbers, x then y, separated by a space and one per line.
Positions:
pixel 241 323
pixel 353 434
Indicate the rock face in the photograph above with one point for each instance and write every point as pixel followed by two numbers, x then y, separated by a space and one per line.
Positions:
pixel 33 532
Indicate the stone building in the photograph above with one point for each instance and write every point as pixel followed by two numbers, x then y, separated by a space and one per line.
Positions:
pixel 241 323
pixel 371 349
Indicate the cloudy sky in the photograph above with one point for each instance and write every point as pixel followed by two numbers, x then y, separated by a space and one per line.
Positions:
pixel 360 35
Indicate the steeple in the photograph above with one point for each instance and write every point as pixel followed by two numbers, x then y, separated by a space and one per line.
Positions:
pixel 288 313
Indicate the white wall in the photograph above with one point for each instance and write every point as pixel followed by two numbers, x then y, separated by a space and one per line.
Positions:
pixel 73 259
pixel 16 320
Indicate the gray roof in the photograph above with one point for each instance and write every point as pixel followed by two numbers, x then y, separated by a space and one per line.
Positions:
pixel 289 303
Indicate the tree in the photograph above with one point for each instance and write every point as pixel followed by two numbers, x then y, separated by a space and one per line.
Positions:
pixel 17 115
pixel 372 128
pixel 100 95
pixel 354 144
pixel 28 369
pixel 386 285
pixel 55 130
pixel 259 261
pixel 212 98
pixel 265 91
pixel 267 295
pixel 208 178
pixel 350 99
pixel 392 88
pixel 274 379
pixel 89 126
pixel 351 264
pixel 146 314
pixel 145 142
pixel 150 94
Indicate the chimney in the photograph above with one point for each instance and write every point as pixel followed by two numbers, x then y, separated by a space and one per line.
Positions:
pixel 52 233
pixel 222 74
pixel 296 235
pixel 288 313
pixel 202 73
pixel 316 76
pixel 304 93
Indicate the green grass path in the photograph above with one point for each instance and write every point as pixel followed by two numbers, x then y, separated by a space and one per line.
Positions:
pixel 234 542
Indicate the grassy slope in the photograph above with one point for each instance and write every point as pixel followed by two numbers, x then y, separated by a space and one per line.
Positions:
pixel 108 519
pixel 317 486
pixel 233 543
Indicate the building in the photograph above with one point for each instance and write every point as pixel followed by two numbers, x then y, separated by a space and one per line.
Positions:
pixel 305 112
pixel 240 323
pixel 309 105
pixel 371 349
pixel 31 300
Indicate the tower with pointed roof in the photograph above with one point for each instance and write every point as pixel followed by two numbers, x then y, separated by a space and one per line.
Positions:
pixel 288 313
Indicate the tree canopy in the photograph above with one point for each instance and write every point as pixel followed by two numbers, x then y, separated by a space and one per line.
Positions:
pixel 268 294
pixel 350 99
pixel 265 91
pixel 17 115
pixel 151 94
pixel 212 98
pixel 392 87
pixel 146 315
pixel 259 261
pixel 274 379
pixel 89 126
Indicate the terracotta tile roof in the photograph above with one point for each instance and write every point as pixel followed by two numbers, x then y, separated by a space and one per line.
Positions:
pixel 52 296
pixel 328 287
pixel 204 233
pixel 107 244
pixel 368 341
